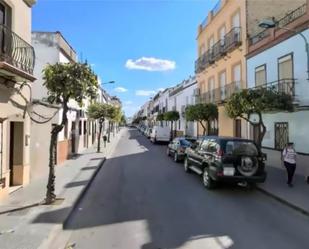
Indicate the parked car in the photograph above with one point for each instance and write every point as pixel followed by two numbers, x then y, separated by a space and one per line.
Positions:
pixel 160 134
pixel 177 148
pixel 226 159
pixel 148 132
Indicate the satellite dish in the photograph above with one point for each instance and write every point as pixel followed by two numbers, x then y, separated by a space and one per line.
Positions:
pixel 254 118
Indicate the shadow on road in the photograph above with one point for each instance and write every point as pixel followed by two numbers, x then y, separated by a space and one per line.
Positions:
pixel 149 187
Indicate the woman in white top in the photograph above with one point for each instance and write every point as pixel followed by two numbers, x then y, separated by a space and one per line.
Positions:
pixel 289 159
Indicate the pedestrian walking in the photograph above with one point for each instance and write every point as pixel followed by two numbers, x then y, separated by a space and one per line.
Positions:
pixel 289 160
pixel 104 140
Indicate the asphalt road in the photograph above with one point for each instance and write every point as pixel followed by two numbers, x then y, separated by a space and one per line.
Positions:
pixel 142 199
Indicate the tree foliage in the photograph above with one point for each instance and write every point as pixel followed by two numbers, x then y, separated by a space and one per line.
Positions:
pixel 99 111
pixel 70 81
pixel 171 116
pixel 160 117
pixel 258 100
pixel 65 82
pixel 202 113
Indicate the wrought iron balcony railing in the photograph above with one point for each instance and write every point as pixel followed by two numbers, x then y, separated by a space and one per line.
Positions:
pixel 282 22
pixel 292 16
pixel 286 86
pixel 220 94
pixel 16 51
pixel 231 41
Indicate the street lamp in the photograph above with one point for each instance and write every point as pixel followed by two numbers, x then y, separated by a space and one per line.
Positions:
pixel 267 24
pixel 109 82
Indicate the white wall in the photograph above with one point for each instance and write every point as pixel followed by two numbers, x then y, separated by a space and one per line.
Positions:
pixel 298 129
pixel 270 57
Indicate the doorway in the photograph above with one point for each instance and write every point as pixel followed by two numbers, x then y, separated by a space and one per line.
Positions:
pixel 16 153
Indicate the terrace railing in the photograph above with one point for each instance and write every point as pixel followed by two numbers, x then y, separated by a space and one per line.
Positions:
pixel 16 51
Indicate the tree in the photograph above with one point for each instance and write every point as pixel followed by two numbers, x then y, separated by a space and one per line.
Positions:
pixel 160 118
pixel 64 82
pixel 257 100
pixel 123 119
pixel 98 111
pixel 171 116
pixel 203 112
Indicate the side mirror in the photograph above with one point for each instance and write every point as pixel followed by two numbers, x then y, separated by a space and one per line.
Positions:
pixel 264 156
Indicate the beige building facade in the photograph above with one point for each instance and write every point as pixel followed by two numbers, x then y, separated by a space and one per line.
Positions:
pixel 222 47
pixel 17 61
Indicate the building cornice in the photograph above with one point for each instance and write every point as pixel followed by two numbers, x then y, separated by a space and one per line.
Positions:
pixel 30 3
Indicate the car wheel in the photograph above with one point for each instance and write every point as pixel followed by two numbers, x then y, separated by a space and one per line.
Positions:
pixel 168 153
pixel 175 157
pixel 186 165
pixel 208 182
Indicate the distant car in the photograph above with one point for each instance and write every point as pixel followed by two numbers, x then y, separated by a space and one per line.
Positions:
pixel 148 132
pixel 160 134
pixel 177 148
pixel 226 159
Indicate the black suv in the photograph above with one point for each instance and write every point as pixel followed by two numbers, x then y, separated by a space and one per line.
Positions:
pixel 226 159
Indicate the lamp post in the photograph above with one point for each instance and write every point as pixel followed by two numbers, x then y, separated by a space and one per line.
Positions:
pixel 108 82
pixel 267 24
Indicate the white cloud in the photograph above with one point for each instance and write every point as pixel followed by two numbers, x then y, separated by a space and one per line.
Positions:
pixel 151 64
pixel 120 89
pixel 144 92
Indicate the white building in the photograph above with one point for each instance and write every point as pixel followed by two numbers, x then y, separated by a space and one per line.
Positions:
pixel 278 58
pixel 180 97
pixel 51 48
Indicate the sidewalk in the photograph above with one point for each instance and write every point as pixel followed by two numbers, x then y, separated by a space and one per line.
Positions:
pixel 275 185
pixel 29 228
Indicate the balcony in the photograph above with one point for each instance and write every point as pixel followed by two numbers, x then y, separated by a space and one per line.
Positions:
pixel 221 94
pixel 293 16
pixel 231 41
pixel 17 57
pixel 286 86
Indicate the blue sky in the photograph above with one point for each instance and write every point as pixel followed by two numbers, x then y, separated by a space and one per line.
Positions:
pixel 129 41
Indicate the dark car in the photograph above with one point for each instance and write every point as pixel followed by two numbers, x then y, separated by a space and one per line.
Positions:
pixel 177 148
pixel 226 159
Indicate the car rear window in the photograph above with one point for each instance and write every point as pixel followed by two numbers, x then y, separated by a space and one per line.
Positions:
pixel 241 148
pixel 184 142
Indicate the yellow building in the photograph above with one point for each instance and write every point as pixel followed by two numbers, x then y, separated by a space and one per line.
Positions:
pixel 16 69
pixel 222 47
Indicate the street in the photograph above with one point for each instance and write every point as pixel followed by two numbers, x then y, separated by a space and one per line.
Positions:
pixel 142 199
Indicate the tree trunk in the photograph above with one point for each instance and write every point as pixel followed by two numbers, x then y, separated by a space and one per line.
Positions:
pixel 171 130
pixel 99 137
pixel 204 128
pixel 109 132
pixel 262 131
pixel 113 129
pixel 50 193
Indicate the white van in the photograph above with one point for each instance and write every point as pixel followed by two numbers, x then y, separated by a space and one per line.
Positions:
pixel 160 134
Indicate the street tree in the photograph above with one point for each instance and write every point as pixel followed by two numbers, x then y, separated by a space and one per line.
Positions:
pixel 98 111
pixel 257 101
pixel 172 116
pixel 202 113
pixel 64 82
pixel 160 118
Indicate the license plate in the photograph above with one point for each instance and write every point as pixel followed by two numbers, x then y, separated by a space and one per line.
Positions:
pixel 228 171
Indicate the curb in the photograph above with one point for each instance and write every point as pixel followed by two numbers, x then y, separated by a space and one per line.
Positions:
pixel 283 201
pixel 22 208
pixel 82 193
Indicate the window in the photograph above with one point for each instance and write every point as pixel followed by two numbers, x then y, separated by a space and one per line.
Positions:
pixel 213 146
pixel 222 35
pixel 211 87
pixel 179 124
pixel 285 67
pixel 85 127
pixel 236 20
pixel 241 148
pixel 237 76
pixel 222 79
pixel 204 145
pixel 281 135
pixel 260 75
pixel 211 42
pixel 66 130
